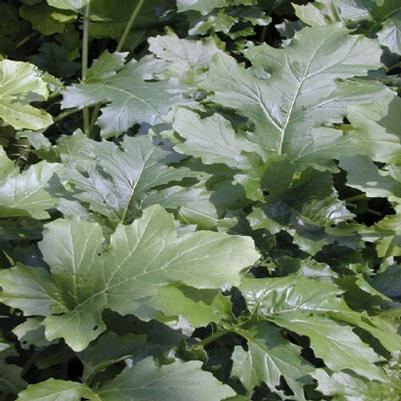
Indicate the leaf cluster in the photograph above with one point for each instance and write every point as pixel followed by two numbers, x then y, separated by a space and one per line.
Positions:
pixel 200 200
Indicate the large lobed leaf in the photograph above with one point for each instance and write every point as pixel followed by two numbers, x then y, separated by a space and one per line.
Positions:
pixel 115 181
pixel 141 258
pixel 179 381
pixel 289 93
pixel 129 92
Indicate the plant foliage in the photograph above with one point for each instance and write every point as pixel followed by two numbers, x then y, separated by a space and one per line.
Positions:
pixel 200 200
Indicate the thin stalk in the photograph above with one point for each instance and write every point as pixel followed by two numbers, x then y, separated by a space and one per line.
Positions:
pixel 53 96
pixel 95 113
pixel 120 46
pixel 263 35
pixel 65 114
pixel 26 39
pixel 29 363
pixel 337 12
pixel 85 57
pixel 389 250
pixel 130 23
pixel 394 66
pixel 374 212
pixel 355 198
pixel 213 337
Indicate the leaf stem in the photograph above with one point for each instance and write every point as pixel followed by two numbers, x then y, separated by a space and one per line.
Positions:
pixel 120 46
pixel 29 363
pixel 337 13
pixel 26 39
pixel 213 337
pixel 263 35
pixel 129 25
pixel 394 66
pixel 389 250
pixel 355 197
pixel 65 114
pixel 85 57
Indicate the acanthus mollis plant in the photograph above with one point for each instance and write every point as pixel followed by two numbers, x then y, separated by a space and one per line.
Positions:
pixel 199 200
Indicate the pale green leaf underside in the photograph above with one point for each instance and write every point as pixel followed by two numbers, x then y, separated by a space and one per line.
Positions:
pixel 18 82
pixel 68 4
pixel 26 193
pixel 57 390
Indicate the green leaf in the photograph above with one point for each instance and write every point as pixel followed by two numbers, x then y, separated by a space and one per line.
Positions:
pixel 336 344
pixel 100 355
pixel 186 59
pixel 31 332
pixel 364 175
pixel 350 388
pixel 287 119
pixel 53 390
pixel 387 235
pixel 54 59
pixel 390 34
pixel 198 307
pixel 115 180
pixel 68 4
pixel 3 344
pixel 180 381
pixel 212 139
pixel 11 381
pixel 280 299
pixel 388 281
pixel 376 128
pixel 46 19
pixel 193 204
pixel 130 95
pixel 307 307
pixel 304 204
pixel 20 84
pixel 109 18
pixel 27 193
pixel 106 66
pixel 270 357
pixel 203 6
pixel 311 14
pixel 141 258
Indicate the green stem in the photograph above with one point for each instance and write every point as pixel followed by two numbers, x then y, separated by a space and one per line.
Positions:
pixel 337 12
pixel 130 23
pixel 26 39
pixel 389 250
pixel 354 198
pixel 95 113
pixel 213 337
pixel 394 66
pixel 120 46
pixel 374 212
pixel 65 114
pixel 29 363
pixel 53 96
pixel 85 57
pixel 263 35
